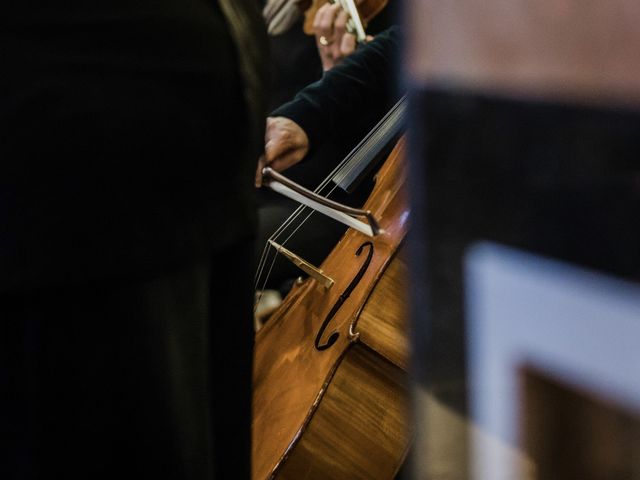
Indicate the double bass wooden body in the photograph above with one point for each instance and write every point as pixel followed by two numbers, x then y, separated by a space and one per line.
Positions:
pixel 330 385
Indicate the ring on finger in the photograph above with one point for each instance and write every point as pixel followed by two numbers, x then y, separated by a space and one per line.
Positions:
pixel 323 41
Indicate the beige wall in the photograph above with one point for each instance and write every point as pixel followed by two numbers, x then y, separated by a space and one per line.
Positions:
pixel 583 49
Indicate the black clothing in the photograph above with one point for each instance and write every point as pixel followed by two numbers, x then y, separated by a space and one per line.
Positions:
pixel 108 115
pixel 295 63
pixel 126 182
pixel 363 85
pixel 144 379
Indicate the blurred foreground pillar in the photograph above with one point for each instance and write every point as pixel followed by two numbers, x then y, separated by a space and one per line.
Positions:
pixel 525 130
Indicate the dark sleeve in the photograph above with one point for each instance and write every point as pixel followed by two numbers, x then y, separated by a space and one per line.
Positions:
pixel 363 81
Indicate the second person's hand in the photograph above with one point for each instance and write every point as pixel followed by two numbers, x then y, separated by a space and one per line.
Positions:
pixel 286 143
pixel 332 38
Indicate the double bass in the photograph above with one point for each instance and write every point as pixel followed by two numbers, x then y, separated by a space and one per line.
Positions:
pixel 330 380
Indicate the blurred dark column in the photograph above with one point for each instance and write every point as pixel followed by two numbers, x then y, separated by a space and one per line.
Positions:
pixel 525 130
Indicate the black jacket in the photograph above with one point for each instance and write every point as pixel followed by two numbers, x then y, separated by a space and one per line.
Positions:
pixel 124 139
pixel 362 87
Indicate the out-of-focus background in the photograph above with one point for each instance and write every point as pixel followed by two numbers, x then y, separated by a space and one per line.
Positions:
pixel 525 158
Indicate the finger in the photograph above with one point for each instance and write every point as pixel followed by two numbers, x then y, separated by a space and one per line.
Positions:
pixel 320 14
pixel 287 160
pixel 278 139
pixel 285 140
pixel 272 149
pixel 348 45
pixel 340 24
pixel 339 30
pixel 280 144
pixel 323 21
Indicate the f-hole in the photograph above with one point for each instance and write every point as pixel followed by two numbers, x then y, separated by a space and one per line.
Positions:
pixel 341 299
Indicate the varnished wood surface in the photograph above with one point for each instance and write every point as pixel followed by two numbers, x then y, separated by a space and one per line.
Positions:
pixel 292 377
pixel 387 333
pixel 366 392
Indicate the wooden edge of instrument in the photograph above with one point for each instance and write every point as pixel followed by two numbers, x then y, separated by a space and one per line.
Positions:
pixel 323 434
pixel 354 322
pixel 289 302
pixel 310 413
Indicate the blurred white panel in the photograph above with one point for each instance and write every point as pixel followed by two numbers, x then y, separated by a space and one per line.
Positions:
pixel 576 326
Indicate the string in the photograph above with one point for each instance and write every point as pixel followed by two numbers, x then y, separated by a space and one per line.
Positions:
pixel 369 145
pixel 365 147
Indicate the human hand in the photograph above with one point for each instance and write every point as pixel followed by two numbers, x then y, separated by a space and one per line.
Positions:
pixel 286 143
pixel 333 40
